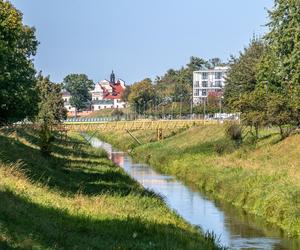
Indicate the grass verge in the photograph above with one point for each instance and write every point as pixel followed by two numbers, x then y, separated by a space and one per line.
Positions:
pixel 78 199
pixel 262 178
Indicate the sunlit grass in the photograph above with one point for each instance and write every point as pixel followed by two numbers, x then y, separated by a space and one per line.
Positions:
pixel 78 199
pixel 262 178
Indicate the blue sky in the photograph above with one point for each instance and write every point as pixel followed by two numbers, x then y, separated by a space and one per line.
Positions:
pixel 138 38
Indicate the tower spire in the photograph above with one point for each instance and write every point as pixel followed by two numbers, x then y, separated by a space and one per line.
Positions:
pixel 112 77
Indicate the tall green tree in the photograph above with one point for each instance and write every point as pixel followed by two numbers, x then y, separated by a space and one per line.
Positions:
pixel 18 44
pixel 283 40
pixel 177 84
pixel 142 95
pixel 79 86
pixel 242 75
pixel 51 111
pixel 280 66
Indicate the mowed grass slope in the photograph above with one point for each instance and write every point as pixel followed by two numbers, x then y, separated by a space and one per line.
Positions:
pixel 78 199
pixel 262 178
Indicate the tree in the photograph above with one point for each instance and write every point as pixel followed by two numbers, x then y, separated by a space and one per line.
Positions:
pixel 283 40
pixel 51 111
pixel 177 84
pixel 126 93
pixel 215 62
pixel 281 113
pixel 141 94
pixel 280 66
pixel 213 103
pixel 79 86
pixel 242 75
pixel 252 106
pixel 18 99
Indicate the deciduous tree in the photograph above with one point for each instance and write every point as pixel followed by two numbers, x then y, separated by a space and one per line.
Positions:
pixel 141 94
pixel 242 75
pixel 51 111
pixel 18 98
pixel 79 86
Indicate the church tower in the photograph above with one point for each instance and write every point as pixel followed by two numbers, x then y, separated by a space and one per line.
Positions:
pixel 112 78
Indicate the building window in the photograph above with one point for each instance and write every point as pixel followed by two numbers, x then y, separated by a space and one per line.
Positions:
pixel 196 84
pixel 218 75
pixel 218 83
pixel 197 92
pixel 204 92
pixel 204 84
pixel 204 75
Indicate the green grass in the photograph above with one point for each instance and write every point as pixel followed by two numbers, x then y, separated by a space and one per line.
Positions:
pixel 261 178
pixel 78 199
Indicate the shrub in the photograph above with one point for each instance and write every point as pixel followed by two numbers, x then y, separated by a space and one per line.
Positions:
pixel 234 132
pixel 224 146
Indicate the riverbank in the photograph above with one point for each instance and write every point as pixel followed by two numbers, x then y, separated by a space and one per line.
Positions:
pixel 261 178
pixel 78 198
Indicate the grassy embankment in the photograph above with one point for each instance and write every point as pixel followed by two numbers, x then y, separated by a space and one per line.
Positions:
pixel 78 199
pixel 262 178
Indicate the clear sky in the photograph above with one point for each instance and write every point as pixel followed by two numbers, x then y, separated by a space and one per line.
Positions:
pixel 138 38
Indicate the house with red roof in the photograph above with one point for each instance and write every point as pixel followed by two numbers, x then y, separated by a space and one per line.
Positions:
pixel 106 94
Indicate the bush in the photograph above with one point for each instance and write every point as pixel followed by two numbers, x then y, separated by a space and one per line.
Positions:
pixel 224 146
pixel 234 132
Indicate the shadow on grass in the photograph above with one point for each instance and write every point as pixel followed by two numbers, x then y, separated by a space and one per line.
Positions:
pixel 62 147
pixel 70 175
pixel 31 225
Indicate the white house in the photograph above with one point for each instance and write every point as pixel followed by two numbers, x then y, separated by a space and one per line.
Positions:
pixel 209 81
pixel 106 94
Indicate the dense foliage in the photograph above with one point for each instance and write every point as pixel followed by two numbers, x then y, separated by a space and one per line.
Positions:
pixel 51 111
pixel 79 86
pixel 242 75
pixel 264 81
pixel 171 94
pixel 17 74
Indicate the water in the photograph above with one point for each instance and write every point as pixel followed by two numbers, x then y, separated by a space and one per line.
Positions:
pixel 235 228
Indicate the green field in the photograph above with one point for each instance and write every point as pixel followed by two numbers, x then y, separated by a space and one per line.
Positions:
pixel 263 178
pixel 78 199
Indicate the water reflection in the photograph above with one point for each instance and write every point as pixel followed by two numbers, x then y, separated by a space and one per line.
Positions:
pixel 235 228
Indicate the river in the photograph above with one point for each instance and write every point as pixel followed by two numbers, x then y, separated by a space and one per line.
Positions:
pixel 234 227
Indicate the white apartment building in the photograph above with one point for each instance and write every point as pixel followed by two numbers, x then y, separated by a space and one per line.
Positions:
pixel 208 82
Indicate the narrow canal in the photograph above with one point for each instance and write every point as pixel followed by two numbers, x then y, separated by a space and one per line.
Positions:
pixel 235 229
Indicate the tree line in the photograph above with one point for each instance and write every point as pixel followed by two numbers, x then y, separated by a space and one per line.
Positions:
pixel 263 82
pixel 171 94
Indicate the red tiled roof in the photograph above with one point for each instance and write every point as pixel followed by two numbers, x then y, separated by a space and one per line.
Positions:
pixel 117 91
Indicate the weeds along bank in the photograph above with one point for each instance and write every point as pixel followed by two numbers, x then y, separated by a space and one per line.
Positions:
pixel 78 199
pixel 262 178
